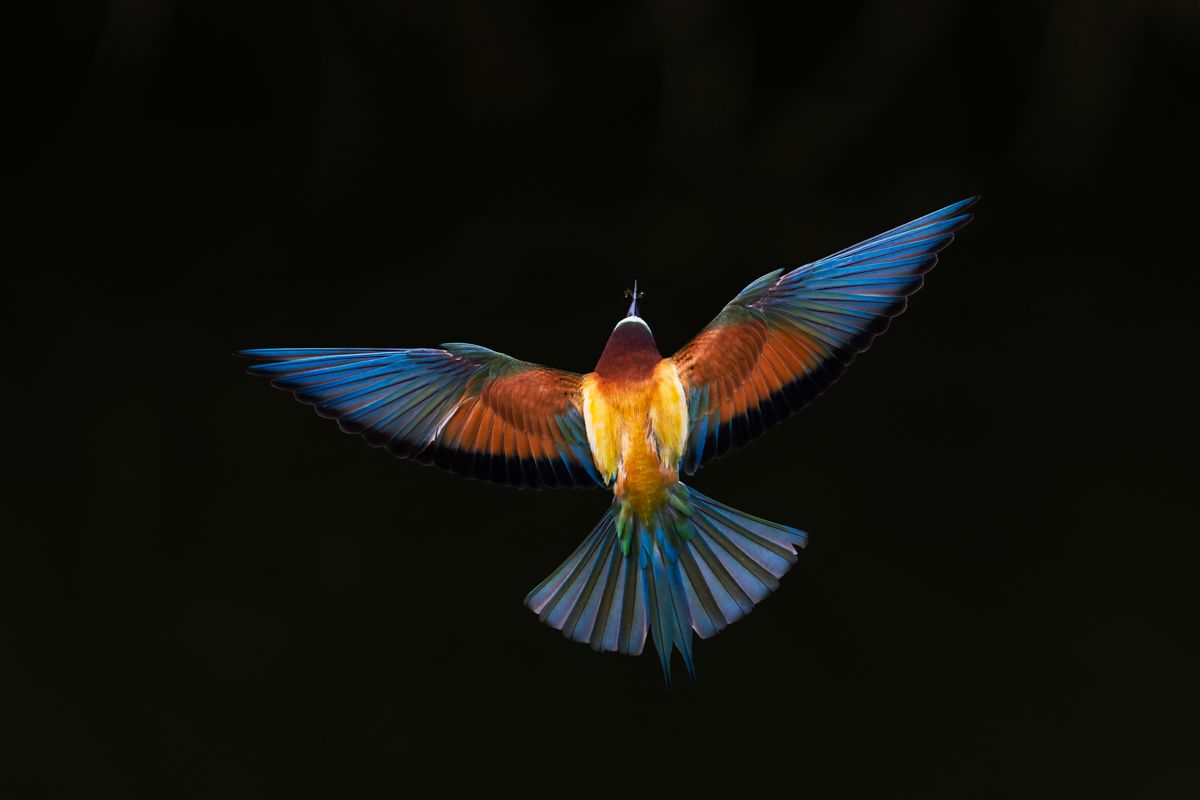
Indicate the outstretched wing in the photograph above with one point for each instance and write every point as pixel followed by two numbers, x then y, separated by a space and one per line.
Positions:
pixel 464 408
pixel 786 338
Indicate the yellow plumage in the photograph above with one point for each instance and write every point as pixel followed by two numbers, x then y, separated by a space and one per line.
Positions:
pixel 637 430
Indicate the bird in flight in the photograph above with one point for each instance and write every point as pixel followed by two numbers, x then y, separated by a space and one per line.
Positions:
pixel 664 559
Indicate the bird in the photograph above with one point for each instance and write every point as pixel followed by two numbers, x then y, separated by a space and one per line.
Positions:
pixel 665 560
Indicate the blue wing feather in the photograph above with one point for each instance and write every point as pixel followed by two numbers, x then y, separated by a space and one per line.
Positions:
pixel 405 400
pixel 812 321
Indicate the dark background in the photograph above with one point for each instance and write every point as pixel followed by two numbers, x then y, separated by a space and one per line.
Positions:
pixel 216 594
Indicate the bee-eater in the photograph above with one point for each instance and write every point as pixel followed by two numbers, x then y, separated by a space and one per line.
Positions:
pixel 664 558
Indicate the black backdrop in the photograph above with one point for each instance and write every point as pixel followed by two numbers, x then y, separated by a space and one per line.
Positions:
pixel 215 593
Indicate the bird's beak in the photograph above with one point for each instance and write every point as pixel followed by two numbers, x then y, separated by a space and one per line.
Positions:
pixel 633 309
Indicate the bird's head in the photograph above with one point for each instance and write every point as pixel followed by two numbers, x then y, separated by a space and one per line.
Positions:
pixel 631 351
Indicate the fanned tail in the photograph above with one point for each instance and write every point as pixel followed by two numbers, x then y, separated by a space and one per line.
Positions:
pixel 695 564
pixel 597 595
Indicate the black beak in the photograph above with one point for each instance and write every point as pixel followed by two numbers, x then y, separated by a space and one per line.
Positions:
pixel 633 309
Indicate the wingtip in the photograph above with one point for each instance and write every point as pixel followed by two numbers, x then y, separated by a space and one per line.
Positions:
pixel 259 353
pixel 957 223
pixel 959 206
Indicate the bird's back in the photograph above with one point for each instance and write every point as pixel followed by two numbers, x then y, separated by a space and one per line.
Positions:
pixel 637 428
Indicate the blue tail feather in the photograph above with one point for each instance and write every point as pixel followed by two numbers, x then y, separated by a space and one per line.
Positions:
pixel 697 565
